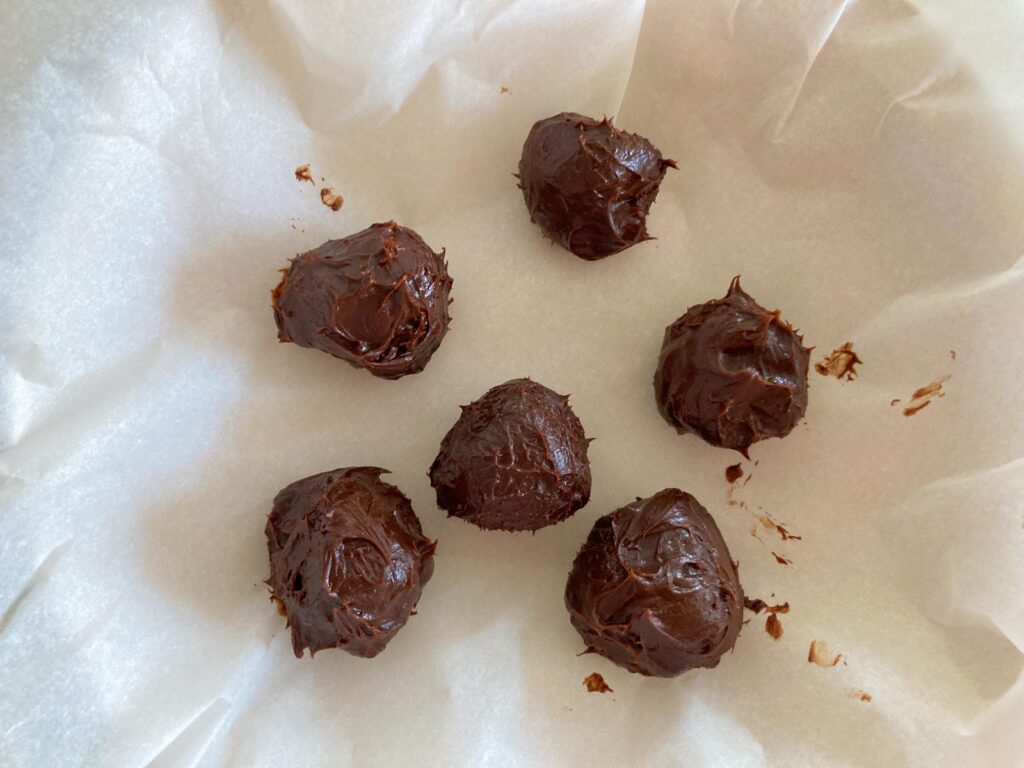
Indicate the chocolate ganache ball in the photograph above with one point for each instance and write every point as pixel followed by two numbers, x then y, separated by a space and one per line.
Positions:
pixel 732 372
pixel 348 560
pixel 377 299
pixel 588 185
pixel 654 588
pixel 516 460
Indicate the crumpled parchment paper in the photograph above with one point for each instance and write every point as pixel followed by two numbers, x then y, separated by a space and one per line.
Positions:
pixel 855 162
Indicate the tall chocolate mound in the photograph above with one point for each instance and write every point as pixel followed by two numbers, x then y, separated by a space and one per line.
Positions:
pixel 377 299
pixel 732 372
pixel 654 588
pixel 348 560
pixel 588 185
pixel 516 460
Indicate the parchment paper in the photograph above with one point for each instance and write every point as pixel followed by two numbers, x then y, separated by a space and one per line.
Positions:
pixel 855 162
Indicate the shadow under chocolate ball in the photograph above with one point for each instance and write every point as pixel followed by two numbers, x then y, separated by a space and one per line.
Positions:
pixel 377 299
pixel 732 372
pixel 588 185
pixel 516 460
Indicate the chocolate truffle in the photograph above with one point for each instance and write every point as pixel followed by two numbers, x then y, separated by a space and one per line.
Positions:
pixel 588 185
pixel 348 560
pixel 732 372
pixel 516 460
pixel 654 588
pixel 377 299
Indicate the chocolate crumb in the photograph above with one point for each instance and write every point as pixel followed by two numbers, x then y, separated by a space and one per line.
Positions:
pixel 894 401
pixel 596 684
pixel 773 626
pixel 952 354
pixel 302 174
pixel 820 654
pixel 923 397
pixel 772 525
pixel 840 363
pixel 504 89
pixel 733 472
pixel 756 606
pixel 331 199
pixel 860 695
pixel 781 560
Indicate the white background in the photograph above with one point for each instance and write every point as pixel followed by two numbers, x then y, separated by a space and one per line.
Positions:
pixel 856 162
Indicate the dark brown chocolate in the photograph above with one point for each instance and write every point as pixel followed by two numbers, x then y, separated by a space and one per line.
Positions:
pixel 377 299
pixel 516 460
pixel 732 372
pixel 588 185
pixel 348 560
pixel 654 588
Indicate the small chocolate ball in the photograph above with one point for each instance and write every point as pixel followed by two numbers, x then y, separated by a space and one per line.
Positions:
pixel 588 185
pixel 377 299
pixel 654 588
pixel 516 460
pixel 348 560
pixel 732 372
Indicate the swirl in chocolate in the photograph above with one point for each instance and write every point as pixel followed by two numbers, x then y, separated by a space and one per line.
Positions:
pixel 515 460
pixel 348 560
pixel 732 372
pixel 588 185
pixel 377 299
pixel 654 588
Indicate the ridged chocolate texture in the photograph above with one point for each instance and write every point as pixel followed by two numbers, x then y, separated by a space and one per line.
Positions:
pixel 654 588
pixel 588 185
pixel 348 560
pixel 377 299
pixel 516 460
pixel 732 372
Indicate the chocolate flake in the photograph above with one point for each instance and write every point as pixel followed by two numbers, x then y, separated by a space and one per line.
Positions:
pixel 924 396
pixel 596 684
pixel 331 199
pixel 820 654
pixel 840 363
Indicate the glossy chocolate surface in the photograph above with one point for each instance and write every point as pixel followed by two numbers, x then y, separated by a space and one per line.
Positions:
pixel 348 560
pixel 654 587
pixel 588 185
pixel 515 460
pixel 732 372
pixel 377 299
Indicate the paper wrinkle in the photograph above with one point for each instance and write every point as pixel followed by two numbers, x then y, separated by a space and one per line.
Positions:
pixel 973 476
pixel 196 736
pixel 35 581
pixel 86 402
pixel 135 478
pixel 831 22
pixel 927 300
pixel 945 70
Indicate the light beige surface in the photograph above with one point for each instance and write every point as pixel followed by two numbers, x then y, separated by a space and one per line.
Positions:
pixel 854 161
